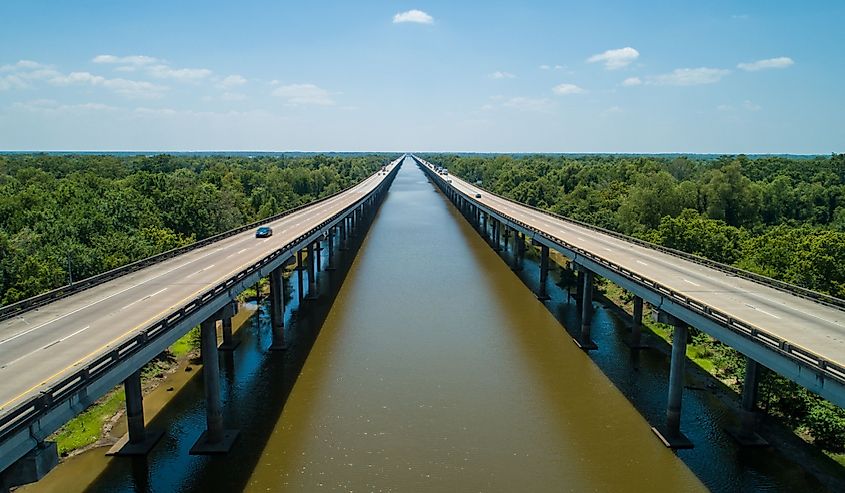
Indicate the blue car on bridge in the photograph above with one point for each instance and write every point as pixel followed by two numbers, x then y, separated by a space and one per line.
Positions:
pixel 264 232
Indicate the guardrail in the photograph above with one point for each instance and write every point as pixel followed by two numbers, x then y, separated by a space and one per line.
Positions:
pixel 18 307
pixel 787 349
pixel 29 410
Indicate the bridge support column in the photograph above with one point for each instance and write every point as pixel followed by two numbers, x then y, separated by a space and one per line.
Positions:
pixel 746 435
pixel 215 439
pixel 277 310
pixel 507 237
pixel 543 294
pixel 138 441
pixel 318 255
pixel 497 236
pixel 515 250
pixel 670 434
pixel 229 342
pixel 484 225
pixel 330 253
pixel 343 239
pixel 312 271
pixel 585 342
pixel 300 267
pixel 637 325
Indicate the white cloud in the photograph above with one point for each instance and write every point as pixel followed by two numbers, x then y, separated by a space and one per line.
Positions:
pixel 632 81
pixel 304 94
pixel 563 89
pixel 615 59
pixel 779 62
pixel 545 67
pixel 135 60
pixel 165 72
pixel 725 107
pixel 232 81
pixel 528 104
pixel 233 96
pixel 125 87
pixel 416 16
pixel 689 77
pixel 51 106
pixel 502 75
pixel 22 64
pixel 751 105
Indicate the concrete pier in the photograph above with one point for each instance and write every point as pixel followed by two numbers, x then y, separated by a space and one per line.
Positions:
pixel 746 434
pixel 138 441
pixel 670 434
pixel 215 439
pixel 277 310
pixel 330 247
pixel 312 271
pixel 637 325
pixel 300 285
pixel 543 294
pixel 585 341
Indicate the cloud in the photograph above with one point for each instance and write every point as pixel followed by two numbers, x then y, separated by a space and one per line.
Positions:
pixel 545 67
pixel 751 105
pixel 416 16
pixel 51 106
pixel 135 60
pixel 232 81
pixel 125 87
pixel 689 77
pixel 529 104
pixel 233 96
pixel 615 59
pixel 183 74
pixel 304 94
pixel 502 75
pixel 779 62
pixel 564 89
pixel 632 81
pixel 549 67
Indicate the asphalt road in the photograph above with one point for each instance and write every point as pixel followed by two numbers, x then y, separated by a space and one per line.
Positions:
pixel 816 327
pixel 43 345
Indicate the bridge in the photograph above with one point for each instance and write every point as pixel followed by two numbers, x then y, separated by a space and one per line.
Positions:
pixel 63 350
pixel 795 332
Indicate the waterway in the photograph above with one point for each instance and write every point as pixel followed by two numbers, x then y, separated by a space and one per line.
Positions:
pixel 426 365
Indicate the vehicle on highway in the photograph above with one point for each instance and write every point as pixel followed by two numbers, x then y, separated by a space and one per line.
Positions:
pixel 478 195
pixel 264 232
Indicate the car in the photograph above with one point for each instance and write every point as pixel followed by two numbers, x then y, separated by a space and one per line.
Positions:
pixel 264 232
pixel 478 195
pixel 450 181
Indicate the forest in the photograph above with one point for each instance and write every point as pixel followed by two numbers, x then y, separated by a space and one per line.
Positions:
pixel 68 217
pixel 783 217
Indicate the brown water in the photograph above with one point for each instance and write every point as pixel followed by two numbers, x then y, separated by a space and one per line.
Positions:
pixel 436 370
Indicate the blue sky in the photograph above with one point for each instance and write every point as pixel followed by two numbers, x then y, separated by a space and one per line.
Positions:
pixel 647 76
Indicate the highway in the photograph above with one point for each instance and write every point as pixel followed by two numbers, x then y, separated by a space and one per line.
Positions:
pixel 816 327
pixel 41 346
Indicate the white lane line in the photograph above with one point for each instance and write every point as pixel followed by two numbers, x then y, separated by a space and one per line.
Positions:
pixel 693 283
pixel 144 298
pixel 642 263
pixel 242 250
pixel 761 311
pixel 10 363
pixel 608 249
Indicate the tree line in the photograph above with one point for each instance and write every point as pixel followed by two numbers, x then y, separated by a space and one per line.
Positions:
pixel 66 217
pixel 782 217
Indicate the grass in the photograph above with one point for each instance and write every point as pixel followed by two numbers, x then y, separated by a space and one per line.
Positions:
pixel 838 457
pixel 86 428
pixel 185 344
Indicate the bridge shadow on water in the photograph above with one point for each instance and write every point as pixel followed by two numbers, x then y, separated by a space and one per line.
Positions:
pixel 255 384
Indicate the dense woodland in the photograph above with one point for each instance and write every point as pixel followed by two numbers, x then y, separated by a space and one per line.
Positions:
pixel 777 216
pixel 64 216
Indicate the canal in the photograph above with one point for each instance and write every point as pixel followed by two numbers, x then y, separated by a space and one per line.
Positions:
pixel 426 365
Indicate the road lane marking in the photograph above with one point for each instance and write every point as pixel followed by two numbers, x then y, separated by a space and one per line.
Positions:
pixel 144 298
pixel 642 263
pixel 761 311
pixel 693 283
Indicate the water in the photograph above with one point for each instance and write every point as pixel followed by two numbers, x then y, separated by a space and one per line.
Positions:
pixel 431 367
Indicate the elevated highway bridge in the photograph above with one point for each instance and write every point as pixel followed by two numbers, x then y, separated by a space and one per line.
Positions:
pixel 61 351
pixel 795 332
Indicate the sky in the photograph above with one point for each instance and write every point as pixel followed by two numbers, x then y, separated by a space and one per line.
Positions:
pixel 716 76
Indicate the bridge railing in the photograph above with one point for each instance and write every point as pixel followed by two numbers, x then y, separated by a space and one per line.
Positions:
pixel 30 409
pixel 18 307
pixel 787 349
